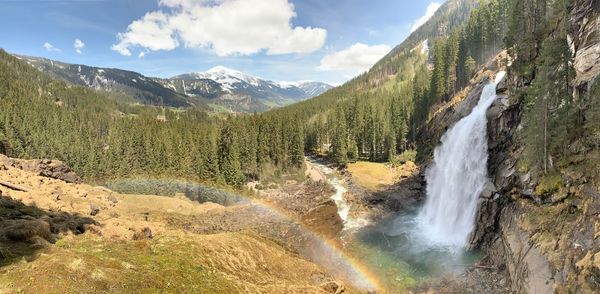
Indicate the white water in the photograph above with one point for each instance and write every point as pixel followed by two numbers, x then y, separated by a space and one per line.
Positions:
pixel 458 176
pixel 344 207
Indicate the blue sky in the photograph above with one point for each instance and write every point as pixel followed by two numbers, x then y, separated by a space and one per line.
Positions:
pixel 322 40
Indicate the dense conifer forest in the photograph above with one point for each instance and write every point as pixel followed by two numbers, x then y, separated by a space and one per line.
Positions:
pixel 374 117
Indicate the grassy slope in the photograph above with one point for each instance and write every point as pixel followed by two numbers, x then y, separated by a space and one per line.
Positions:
pixel 107 259
pixel 375 176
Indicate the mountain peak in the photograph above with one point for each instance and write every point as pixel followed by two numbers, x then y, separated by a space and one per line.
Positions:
pixel 223 70
pixel 227 76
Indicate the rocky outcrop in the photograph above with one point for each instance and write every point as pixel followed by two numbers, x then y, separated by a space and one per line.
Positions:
pixel 584 34
pixel 47 168
pixel 324 219
pixel 507 246
pixel 498 231
pixel 503 119
pixel 527 268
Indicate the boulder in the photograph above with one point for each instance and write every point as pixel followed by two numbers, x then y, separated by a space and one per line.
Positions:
pixel 144 234
pixel 333 287
pixel 324 219
pixel 94 209
pixel 58 170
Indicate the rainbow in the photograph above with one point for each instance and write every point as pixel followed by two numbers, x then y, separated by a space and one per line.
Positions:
pixel 328 254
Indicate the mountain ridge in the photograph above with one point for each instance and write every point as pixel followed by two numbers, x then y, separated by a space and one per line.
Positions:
pixel 218 87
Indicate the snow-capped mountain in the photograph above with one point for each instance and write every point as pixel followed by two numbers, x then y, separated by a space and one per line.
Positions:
pixel 311 88
pixel 243 92
pixel 228 78
pixel 219 87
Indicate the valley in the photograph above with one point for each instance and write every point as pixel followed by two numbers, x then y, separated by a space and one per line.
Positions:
pixel 466 159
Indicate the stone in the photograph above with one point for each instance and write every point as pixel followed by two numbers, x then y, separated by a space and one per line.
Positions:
pixel 324 219
pixel 144 234
pixel 58 170
pixel 502 87
pixel 94 209
pixel 488 191
pixel 333 287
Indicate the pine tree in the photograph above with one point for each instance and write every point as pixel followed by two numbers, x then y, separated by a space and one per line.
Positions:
pixel 228 154
pixel 339 143
pixel 297 145
pixel 438 77
pixel 470 65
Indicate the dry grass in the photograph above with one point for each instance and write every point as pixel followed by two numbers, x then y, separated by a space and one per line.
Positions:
pixel 371 175
pixel 220 263
pixel 375 176
pixel 106 259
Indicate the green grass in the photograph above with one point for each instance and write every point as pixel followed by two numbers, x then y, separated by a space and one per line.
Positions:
pixel 92 265
pixel 219 108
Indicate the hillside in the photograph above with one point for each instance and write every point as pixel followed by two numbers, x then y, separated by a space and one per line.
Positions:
pixel 377 115
pixel 220 88
pixel 466 161
pixel 119 84
pixel 104 139
pixel 104 241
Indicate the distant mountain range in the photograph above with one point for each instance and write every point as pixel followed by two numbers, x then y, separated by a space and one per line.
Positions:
pixel 219 87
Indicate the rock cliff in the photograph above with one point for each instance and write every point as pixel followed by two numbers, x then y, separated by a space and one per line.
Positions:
pixel 544 240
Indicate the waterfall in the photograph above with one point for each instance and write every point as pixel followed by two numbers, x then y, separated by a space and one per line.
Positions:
pixel 458 176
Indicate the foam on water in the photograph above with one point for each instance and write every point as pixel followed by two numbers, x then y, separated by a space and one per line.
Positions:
pixel 457 177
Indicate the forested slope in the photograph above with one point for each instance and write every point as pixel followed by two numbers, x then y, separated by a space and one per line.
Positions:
pixel 377 115
pixel 369 117
pixel 102 139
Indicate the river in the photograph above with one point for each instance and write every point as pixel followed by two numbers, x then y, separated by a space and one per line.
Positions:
pixel 393 249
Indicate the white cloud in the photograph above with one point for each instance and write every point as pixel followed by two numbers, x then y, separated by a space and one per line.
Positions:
pixel 227 27
pixel 142 54
pixel 358 57
pixel 50 48
pixel 78 45
pixel 431 9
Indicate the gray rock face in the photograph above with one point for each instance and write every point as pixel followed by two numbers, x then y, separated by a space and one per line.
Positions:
pixel 495 232
pixel 503 118
pixel 585 35
pixel 528 270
